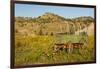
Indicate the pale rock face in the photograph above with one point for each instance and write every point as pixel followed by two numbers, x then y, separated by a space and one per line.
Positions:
pixel 89 30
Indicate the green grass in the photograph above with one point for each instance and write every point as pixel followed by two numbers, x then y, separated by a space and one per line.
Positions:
pixel 38 50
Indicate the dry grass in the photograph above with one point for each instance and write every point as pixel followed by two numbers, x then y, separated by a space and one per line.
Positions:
pixel 38 50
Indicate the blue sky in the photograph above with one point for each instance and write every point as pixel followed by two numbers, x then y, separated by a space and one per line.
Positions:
pixel 32 10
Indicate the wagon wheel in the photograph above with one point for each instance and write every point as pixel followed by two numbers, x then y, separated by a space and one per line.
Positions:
pixel 70 49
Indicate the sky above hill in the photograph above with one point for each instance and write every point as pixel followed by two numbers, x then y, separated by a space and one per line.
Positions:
pixel 32 10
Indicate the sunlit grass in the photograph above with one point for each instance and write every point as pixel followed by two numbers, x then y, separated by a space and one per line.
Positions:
pixel 38 50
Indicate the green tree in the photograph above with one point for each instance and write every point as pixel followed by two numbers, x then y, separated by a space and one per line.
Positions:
pixel 40 32
pixel 72 30
pixel 51 33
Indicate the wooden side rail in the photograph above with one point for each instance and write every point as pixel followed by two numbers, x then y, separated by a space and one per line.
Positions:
pixel 67 46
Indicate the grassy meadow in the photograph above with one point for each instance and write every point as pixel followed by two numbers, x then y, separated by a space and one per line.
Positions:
pixel 38 50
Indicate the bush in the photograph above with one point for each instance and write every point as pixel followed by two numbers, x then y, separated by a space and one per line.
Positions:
pixel 83 33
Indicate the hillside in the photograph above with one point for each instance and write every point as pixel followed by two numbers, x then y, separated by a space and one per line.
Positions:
pixel 50 23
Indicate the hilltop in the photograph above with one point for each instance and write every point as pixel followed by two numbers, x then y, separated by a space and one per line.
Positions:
pixel 50 23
